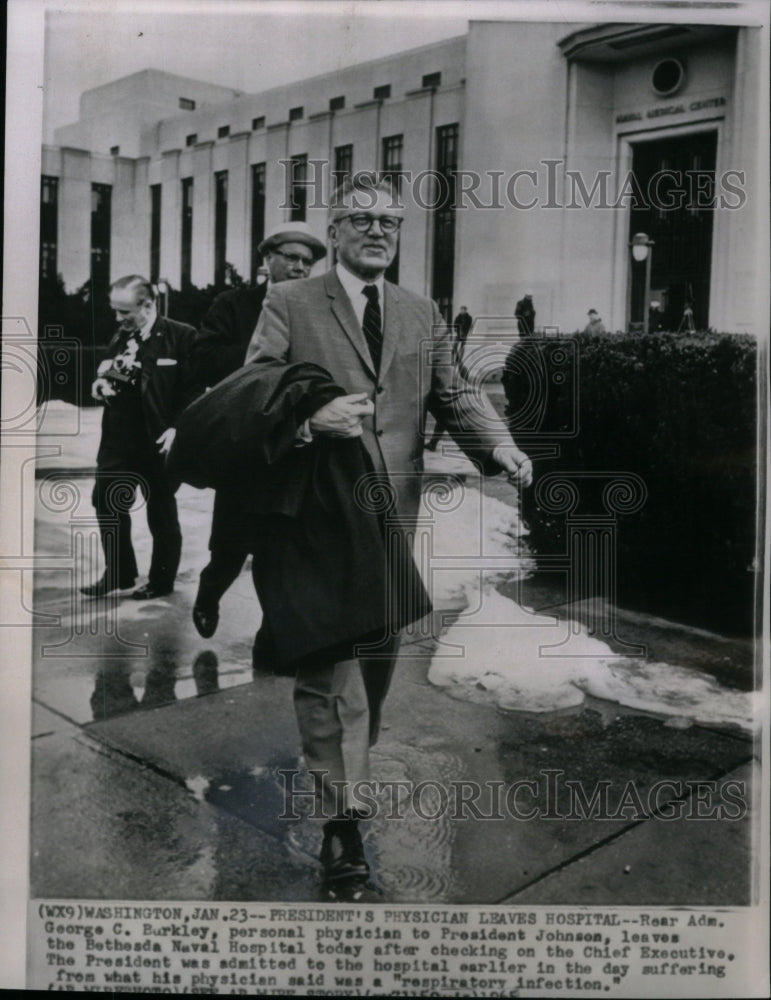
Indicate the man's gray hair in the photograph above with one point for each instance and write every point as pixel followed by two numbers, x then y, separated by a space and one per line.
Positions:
pixel 143 289
pixel 359 192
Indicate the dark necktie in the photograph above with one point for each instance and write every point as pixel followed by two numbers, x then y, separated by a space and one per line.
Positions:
pixel 372 324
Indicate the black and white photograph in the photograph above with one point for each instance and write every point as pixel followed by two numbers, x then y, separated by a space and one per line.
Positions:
pixel 384 485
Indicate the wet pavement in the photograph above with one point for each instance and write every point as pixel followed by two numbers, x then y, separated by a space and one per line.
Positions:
pixel 161 762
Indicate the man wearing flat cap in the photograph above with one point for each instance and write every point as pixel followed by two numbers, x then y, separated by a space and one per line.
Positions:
pixel 290 250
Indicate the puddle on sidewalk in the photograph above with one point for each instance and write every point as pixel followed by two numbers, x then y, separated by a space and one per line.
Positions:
pixel 95 689
pixel 500 651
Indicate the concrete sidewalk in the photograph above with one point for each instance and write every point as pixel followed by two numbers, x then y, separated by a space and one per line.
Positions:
pixel 161 763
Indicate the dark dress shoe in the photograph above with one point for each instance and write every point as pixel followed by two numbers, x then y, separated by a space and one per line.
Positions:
pixel 104 586
pixel 205 620
pixel 342 852
pixel 149 590
pixel 352 890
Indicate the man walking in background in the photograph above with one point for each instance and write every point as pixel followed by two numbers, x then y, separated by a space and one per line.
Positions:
pixel 290 250
pixel 524 313
pixel 462 324
pixel 145 382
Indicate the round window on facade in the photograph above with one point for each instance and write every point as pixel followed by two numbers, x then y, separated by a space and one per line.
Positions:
pixel 668 77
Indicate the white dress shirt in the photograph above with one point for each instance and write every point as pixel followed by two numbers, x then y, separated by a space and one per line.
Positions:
pixel 143 331
pixel 353 289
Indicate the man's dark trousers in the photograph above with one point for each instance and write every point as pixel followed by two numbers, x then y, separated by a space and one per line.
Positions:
pixel 219 350
pixel 229 548
pixel 128 459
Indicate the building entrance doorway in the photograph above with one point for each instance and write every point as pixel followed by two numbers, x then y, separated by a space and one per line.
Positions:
pixel 674 204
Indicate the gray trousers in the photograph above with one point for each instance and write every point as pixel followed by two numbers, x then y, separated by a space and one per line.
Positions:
pixel 338 706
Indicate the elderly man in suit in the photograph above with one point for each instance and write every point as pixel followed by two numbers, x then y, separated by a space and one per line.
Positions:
pixel 145 382
pixel 368 335
pixel 290 250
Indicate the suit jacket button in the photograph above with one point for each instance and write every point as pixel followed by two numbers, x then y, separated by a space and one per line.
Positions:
pixel 380 388
pixel 379 434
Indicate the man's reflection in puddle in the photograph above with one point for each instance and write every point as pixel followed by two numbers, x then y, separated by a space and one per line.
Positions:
pixel 113 694
pixel 206 673
pixel 118 682
pixel 161 676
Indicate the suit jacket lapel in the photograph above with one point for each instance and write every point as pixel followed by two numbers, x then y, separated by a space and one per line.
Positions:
pixel 150 350
pixel 346 317
pixel 392 326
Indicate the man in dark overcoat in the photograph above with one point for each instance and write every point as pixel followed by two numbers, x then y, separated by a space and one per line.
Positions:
pixel 144 382
pixel 290 250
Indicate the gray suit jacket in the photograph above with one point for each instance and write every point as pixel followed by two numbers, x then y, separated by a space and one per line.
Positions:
pixel 314 321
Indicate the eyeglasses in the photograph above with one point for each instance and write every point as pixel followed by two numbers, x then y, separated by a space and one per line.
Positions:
pixel 295 258
pixel 363 223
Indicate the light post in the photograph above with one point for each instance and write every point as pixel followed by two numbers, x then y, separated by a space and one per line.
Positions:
pixel 642 252
pixel 163 297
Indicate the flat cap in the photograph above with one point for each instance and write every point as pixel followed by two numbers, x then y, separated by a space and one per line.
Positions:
pixel 293 232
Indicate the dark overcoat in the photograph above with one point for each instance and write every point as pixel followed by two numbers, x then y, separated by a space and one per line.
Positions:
pixel 226 330
pixel 329 567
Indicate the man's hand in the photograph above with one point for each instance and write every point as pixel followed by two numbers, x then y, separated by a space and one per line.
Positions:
pixel 102 390
pixel 342 416
pixel 515 463
pixel 165 440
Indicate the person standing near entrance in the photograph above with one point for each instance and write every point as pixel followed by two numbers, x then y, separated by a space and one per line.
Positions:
pixel 595 324
pixel 524 313
pixel 145 382
pixel 655 317
pixel 290 250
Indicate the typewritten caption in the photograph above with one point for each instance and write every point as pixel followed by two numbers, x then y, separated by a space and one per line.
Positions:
pixel 312 949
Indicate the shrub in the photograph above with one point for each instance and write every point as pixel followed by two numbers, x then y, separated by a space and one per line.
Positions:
pixel 680 411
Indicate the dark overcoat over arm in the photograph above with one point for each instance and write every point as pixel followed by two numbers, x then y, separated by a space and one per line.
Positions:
pixel 327 574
